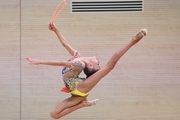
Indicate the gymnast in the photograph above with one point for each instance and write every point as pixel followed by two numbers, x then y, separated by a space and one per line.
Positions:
pixel 79 88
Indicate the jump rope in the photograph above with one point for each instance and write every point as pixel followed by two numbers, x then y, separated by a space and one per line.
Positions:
pixel 56 12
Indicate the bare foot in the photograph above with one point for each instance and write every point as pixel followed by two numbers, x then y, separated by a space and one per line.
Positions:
pixel 139 35
pixel 90 103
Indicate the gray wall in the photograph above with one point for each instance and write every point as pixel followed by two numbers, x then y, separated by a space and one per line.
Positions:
pixel 143 86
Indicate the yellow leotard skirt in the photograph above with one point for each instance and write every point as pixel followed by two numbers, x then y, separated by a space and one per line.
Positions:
pixel 79 93
pixel 72 84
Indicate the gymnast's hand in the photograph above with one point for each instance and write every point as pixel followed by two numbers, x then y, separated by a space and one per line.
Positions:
pixel 52 27
pixel 33 61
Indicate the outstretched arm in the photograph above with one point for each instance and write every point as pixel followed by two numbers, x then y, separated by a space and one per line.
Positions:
pixel 48 62
pixel 62 39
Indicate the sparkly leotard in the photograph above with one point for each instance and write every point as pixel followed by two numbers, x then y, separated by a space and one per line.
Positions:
pixel 71 82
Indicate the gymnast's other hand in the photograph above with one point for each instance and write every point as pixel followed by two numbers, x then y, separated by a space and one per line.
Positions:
pixel 33 61
pixel 52 26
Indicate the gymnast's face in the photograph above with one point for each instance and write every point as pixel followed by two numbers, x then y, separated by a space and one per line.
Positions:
pixel 95 62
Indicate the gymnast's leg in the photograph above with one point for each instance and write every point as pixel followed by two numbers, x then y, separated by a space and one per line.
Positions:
pixel 90 82
pixel 69 105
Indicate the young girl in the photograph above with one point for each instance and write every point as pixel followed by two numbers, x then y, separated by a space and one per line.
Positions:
pixel 78 87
